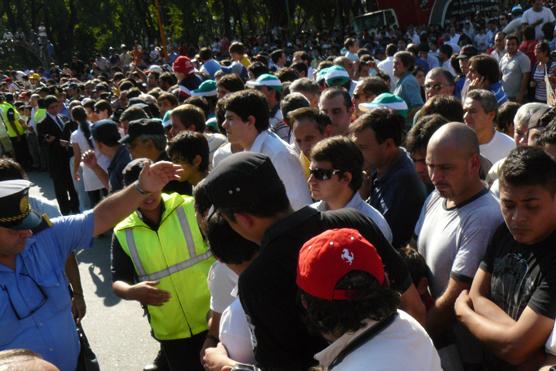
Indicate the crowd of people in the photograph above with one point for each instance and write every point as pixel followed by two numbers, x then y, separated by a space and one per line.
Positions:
pixel 388 205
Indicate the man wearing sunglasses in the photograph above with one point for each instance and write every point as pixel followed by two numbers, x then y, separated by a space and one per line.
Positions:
pixel 35 304
pixel 336 173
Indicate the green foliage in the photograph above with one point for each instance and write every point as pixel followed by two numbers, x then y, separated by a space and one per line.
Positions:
pixel 88 26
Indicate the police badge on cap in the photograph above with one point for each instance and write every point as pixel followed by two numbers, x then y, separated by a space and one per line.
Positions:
pixel 15 212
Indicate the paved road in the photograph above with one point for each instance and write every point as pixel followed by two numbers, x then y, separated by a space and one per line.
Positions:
pixel 117 330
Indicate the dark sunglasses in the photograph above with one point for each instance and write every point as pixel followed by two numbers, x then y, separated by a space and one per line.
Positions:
pixel 323 174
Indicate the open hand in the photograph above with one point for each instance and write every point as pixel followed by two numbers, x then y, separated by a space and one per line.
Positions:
pixel 146 293
pixel 155 176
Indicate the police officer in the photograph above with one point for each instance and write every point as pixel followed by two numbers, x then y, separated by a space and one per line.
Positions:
pixel 35 306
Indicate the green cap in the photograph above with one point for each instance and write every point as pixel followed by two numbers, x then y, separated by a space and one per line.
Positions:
pixel 387 100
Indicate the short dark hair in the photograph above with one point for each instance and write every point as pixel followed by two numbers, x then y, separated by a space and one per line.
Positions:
pixel 226 244
pixel 11 169
pixel 303 55
pixel 292 102
pixel 231 82
pixel 334 91
pixel 344 155
pixel 406 58
pixel 445 105
pixel 374 85
pixel 205 54
pixel 103 105
pixel 446 49
pixel 169 97
pixel 506 114
pixel 201 102
pixel 186 145
pixel 486 66
pixel 276 55
pixel 190 114
pixel 168 78
pixel 247 103
pixel 50 99
pixel 257 69
pixel 391 49
pixel 548 136
pixel 287 74
pixel 320 119
pixel 236 48
pixel 304 85
pixel 415 262
pixel 375 302
pixel 529 166
pixel 384 122
pixel 420 134
pixel 300 67
pixel 513 36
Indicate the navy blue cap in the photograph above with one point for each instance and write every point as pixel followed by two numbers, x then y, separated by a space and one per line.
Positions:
pixel 106 132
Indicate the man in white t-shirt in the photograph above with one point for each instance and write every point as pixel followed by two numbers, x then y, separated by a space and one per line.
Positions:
pixel 537 16
pixel 479 112
pixel 453 230
pixel 343 288
pixel 387 65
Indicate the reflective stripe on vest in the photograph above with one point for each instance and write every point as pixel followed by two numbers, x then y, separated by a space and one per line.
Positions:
pixel 193 258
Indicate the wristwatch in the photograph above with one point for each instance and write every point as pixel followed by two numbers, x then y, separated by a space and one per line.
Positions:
pixel 139 189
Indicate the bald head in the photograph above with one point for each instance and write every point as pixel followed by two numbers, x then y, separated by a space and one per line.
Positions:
pixel 23 359
pixel 457 136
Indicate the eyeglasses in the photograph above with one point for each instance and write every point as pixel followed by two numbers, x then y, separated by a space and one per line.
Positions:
pixel 323 174
pixel 23 311
pixel 436 86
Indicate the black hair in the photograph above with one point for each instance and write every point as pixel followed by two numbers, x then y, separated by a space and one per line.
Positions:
pixel 188 144
pixel 529 166
pixel 374 85
pixel 200 102
pixel 385 123
pixel 344 155
pixel 420 134
pixel 276 55
pixel 247 103
pixel 79 114
pixel 505 116
pixel 548 136
pixel 486 66
pixel 333 92
pixel 10 169
pixel 257 69
pixel 226 244
pixel 307 113
pixel 445 105
pixel 416 264
pixel 231 83
pixel 374 301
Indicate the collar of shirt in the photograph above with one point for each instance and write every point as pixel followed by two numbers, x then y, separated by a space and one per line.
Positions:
pixel 282 226
pixel 257 145
pixel 327 356
pixel 352 204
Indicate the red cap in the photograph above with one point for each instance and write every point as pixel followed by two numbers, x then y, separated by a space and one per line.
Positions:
pixel 325 259
pixel 183 64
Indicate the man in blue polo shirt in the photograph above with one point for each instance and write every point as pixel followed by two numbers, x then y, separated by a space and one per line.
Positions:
pixel 35 304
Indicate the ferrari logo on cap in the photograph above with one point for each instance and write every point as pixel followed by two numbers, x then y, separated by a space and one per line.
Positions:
pixel 347 256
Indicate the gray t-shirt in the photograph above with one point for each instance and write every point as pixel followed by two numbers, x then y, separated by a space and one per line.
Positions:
pixel 453 241
pixel 513 69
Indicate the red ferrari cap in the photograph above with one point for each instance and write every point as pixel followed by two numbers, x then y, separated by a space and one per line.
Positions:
pixel 325 259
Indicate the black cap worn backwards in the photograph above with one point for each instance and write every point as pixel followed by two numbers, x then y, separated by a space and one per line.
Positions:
pixel 142 127
pixel 243 179
pixel 15 212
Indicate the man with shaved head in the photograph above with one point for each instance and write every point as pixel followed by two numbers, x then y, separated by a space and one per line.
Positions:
pixel 453 230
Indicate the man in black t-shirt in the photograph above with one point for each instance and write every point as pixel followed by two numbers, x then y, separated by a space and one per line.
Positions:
pixel 247 191
pixel 512 302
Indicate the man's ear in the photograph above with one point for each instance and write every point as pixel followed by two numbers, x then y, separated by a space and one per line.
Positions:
pixel 251 120
pixel 191 128
pixel 197 161
pixel 347 177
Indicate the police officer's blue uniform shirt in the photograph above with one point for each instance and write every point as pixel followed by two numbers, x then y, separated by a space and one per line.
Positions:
pixel 35 305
